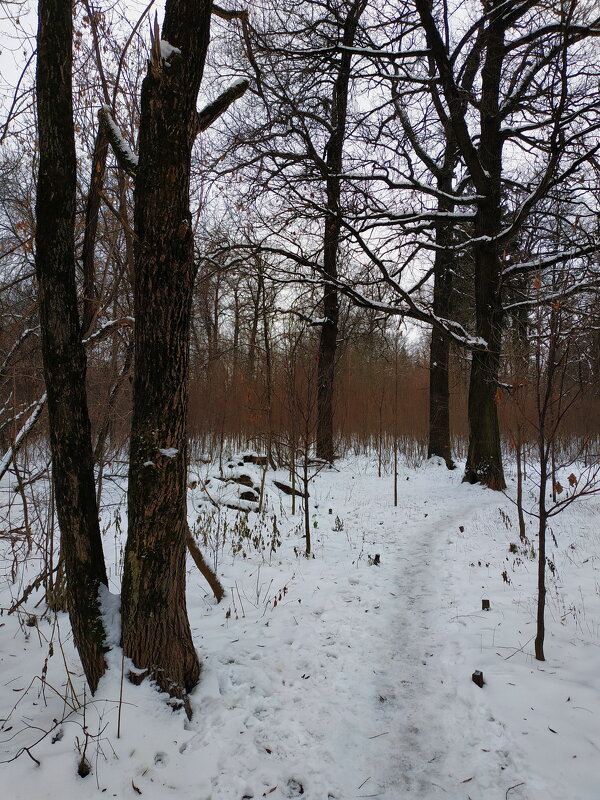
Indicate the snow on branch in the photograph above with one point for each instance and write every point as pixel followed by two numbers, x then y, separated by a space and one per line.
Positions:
pixel 213 111
pixel 408 183
pixel 229 14
pixel 549 261
pixel 20 437
pixel 101 333
pixel 11 353
pixel 124 154
pixel 18 415
pixel 406 305
pixel 167 50
pixel 39 405
pixel 550 298
pixel 390 55
pixel 311 322
pixel 367 52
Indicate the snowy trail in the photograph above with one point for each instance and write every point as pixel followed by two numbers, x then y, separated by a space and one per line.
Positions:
pixel 434 735
pixel 334 677
pixel 442 736
pixel 347 688
pixel 357 695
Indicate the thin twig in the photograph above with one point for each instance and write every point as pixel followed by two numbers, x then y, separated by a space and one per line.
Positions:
pixel 120 696
pixel 31 756
pixel 518 651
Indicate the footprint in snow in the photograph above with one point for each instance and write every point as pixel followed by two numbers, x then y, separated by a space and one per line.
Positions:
pixel 294 788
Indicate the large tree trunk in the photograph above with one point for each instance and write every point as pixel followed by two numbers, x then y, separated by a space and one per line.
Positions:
pixel 331 243
pixel 439 351
pixel 484 460
pixel 62 348
pixel 439 398
pixel 155 628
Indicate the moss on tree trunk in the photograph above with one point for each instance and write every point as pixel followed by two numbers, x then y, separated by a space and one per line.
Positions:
pixel 155 628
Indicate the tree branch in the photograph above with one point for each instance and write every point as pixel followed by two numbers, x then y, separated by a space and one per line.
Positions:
pixel 227 14
pixel 213 111
pixel 126 158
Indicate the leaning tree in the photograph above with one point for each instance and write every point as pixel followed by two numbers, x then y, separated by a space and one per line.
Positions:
pixel 62 346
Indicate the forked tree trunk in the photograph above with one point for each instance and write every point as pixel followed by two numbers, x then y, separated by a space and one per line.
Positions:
pixel 483 159
pixel 62 348
pixel 155 628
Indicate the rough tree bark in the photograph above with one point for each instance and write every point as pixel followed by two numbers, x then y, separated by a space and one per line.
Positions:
pixel 155 628
pixel 484 459
pixel 439 351
pixel 483 159
pixel 444 267
pixel 92 211
pixel 62 348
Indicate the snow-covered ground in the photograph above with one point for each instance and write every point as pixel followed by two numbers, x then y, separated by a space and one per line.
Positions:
pixel 334 676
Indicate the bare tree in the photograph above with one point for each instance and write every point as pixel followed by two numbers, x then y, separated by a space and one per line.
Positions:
pixel 302 55
pixel 62 347
pixel 524 66
pixel 155 628
pixel 544 404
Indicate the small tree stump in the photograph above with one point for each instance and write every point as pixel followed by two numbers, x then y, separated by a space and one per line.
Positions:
pixel 477 677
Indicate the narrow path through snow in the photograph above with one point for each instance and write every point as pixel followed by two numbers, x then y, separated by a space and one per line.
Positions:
pixel 349 688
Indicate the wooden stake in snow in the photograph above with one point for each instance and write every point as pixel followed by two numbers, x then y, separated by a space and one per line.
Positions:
pixel 477 677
